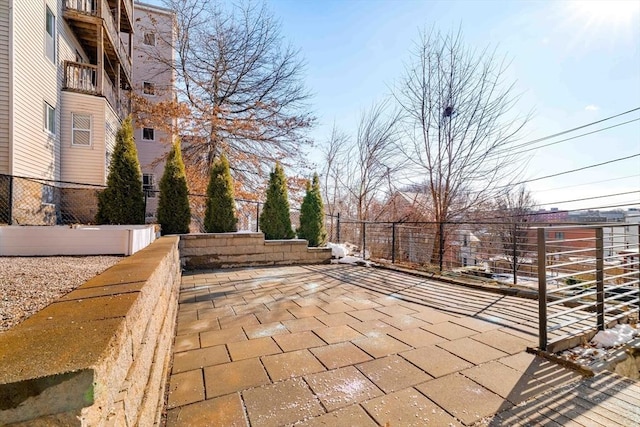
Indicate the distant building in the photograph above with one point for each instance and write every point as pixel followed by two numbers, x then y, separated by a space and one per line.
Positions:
pixel 552 215
pixel 67 68
pixel 406 206
pixel 154 80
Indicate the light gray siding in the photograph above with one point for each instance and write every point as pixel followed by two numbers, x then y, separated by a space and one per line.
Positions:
pixel 35 151
pixel 5 85
pixel 146 68
pixel 87 164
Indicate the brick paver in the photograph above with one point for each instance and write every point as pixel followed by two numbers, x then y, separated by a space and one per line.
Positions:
pixel 393 373
pixel 408 407
pixel 342 345
pixel 189 360
pixel 281 403
pixel 234 376
pixel 291 364
pixel 463 398
pixel 342 387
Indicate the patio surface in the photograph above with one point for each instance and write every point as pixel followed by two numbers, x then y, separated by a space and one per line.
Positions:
pixel 339 345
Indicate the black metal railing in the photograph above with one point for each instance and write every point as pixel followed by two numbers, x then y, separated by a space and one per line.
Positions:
pixel 589 278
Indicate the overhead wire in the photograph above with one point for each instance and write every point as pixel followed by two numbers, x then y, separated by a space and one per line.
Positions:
pixel 588 183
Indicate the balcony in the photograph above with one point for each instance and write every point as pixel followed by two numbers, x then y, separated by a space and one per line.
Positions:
pixel 85 15
pixel 83 78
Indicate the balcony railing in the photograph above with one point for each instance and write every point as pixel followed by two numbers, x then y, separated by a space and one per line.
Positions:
pixel 101 9
pixel 88 7
pixel 114 34
pixel 83 78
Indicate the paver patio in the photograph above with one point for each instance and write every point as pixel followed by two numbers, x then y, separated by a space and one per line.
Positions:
pixel 340 345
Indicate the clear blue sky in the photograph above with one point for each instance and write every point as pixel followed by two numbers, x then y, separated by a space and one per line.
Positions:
pixel 574 62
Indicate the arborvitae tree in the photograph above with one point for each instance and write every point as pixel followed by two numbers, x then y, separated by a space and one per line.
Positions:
pixel 312 215
pixel 275 221
pixel 220 214
pixel 122 202
pixel 174 214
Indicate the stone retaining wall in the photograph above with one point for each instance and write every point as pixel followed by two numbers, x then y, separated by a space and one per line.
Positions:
pixel 226 250
pixel 99 355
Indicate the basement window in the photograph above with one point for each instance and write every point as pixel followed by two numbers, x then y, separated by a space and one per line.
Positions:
pixel 148 185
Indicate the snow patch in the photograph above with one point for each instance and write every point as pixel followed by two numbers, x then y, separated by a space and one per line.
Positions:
pixel 597 350
pixel 618 335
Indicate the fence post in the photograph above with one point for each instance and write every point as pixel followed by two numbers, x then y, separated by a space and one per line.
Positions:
pixel 257 216
pixel 441 246
pixel 10 219
pixel 542 289
pixel 364 239
pixel 393 243
pixel 600 278
pixel 338 228
pixel 514 254
pixel 637 264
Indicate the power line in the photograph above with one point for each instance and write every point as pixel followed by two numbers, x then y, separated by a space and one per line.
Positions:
pixel 573 170
pixel 576 137
pixel 589 198
pixel 534 214
pixel 564 132
pixel 511 150
pixel 588 183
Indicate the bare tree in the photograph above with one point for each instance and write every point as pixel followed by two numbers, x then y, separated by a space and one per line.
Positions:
pixel 242 87
pixel 514 209
pixel 460 123
pixel 374 159
pixel 334 155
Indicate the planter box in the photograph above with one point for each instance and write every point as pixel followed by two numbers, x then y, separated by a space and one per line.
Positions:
pixel 75 240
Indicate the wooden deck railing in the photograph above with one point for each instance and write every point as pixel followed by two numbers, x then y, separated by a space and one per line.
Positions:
pixel 80 77
pixel 101 9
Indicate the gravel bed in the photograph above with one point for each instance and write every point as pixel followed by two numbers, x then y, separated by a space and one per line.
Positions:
pixel 29 284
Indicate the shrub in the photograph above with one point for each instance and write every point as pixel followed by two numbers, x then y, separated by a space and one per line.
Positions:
pixel 220 214
pixel 275 221
pixel 122 202
pixel 312 215
pixel 174 214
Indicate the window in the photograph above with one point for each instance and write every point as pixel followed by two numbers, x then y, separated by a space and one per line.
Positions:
pixel 80 129
pixel 49 118
pixel 148 134
pixel 50 37
pixel 149 88
pixel 148 184
pixel 149 39
pixel 559 235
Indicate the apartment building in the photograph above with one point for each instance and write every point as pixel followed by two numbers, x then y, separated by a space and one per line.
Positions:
pixel 153 79
pixel 66 75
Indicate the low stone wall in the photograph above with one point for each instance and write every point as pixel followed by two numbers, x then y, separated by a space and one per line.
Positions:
pixel 99 355
pixel 226 250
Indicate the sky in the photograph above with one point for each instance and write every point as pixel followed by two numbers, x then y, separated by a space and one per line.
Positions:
pixel 574 62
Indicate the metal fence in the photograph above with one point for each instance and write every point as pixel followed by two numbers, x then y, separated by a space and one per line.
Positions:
pixel 33 201
pixel 497 250
pixel 589 275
